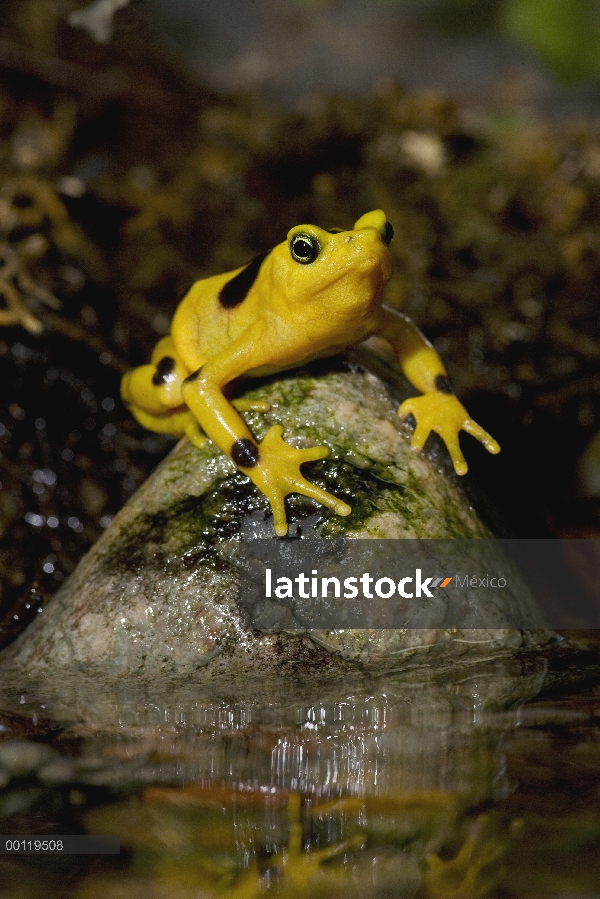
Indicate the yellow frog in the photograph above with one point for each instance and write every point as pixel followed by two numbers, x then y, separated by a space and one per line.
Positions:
pixel 314 295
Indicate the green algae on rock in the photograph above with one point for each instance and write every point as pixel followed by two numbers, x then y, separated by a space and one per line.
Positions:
pixel 157 594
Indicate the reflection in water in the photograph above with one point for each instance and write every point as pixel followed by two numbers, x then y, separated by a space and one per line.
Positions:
pixel 401 788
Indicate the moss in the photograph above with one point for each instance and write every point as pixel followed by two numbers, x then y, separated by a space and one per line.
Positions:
pixel 362 489
pixel 189 532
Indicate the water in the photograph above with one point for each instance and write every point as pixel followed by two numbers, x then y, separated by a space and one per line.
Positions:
pixel 473 781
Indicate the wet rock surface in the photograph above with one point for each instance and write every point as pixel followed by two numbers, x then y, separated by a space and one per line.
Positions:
pixel 157 594
pixel 178 731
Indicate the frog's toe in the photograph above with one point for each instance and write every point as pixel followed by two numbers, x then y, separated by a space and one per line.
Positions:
pixel 313 454
pixel 246 405
pixel 422 421
pixel 420 435
pixel 406 408
pixel 321 496
pixel 279 517
pixel 194 433
pixel 476 431
pixel 458 460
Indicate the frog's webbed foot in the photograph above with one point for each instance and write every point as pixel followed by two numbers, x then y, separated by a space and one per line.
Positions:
pixel 444 414
pixel 277 472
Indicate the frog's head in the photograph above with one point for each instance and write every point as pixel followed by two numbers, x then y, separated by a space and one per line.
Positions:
pixel 337 273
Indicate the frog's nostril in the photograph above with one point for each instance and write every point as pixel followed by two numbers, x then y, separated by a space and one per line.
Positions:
pixel 388 232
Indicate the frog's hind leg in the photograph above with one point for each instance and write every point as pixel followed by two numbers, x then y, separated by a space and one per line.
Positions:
pixel 156 388
pixel 153 395
pixel 179 423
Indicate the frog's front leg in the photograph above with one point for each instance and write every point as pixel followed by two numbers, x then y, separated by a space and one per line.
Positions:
pixel 438 409
pixel 273 465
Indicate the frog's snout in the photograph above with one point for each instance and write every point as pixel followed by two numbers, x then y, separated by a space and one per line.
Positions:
pixel 376 219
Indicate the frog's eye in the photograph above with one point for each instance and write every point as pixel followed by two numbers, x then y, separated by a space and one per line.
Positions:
pixel 304 248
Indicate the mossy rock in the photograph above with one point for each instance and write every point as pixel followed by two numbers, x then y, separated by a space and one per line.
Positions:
pixel 157 594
